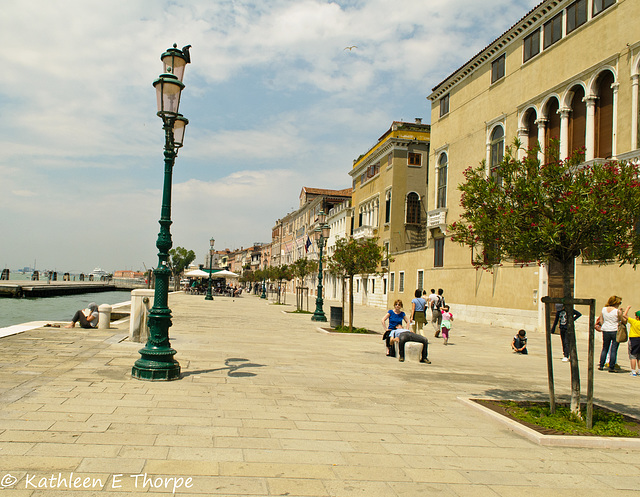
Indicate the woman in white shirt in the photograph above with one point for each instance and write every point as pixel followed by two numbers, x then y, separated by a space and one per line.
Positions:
pixel 608 322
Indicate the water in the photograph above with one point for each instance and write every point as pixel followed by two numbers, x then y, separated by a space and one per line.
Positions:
pixel 17 311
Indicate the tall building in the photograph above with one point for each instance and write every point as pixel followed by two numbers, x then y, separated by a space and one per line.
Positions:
pixel 389 203
pixel 568 70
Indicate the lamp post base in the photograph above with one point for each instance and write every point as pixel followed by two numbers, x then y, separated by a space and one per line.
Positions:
pixel 208 297
pixel 319 316
pixel 156 364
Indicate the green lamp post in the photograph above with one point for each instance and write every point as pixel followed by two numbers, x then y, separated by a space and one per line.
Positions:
pixel 209 296
pixel 321 233
pixel 264 279
pixel 156 362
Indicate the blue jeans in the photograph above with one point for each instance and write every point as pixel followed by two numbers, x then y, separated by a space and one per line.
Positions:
pixel 609 340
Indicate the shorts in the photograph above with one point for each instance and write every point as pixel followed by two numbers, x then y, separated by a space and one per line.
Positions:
pixel 634 348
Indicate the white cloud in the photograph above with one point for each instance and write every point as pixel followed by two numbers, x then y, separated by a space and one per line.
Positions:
pixel 274 101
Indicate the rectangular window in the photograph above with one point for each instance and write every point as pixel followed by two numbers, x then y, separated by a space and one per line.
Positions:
pixel 415 159
pixel 392 282
pixel 497 69
pixel 401 282
pixel 438 252
pixel 357 286
pixel 387 208
pixel 373 286
pixel 600 5
pixel 552 30
pixel 420 280
pixel 531 45
pixel 444 105
pixel 384 286
pixel 576 15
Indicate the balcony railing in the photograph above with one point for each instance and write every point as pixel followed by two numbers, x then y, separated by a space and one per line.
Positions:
pixel 363 232
pixel 437 218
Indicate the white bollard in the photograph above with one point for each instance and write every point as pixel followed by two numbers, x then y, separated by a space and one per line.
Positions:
pixel 104 317
pixel 141 303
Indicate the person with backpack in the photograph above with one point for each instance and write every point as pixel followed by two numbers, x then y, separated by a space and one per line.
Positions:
pixel 562 321
pixel 436 312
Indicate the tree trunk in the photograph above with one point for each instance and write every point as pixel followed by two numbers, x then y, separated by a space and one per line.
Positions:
pixel 343 291
pixel 567 269
pixel 350 303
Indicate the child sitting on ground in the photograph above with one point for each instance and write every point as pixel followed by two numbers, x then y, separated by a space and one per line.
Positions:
pixel 519 343
pixel 447 317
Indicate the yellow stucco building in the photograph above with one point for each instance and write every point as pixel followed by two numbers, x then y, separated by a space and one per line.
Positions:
pixel 568 70
pixel 389 202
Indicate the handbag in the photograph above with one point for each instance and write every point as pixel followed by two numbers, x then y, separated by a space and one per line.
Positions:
pixel 622 335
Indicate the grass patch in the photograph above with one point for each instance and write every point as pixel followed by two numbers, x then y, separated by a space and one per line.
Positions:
pixel 606 423
pixel 345 329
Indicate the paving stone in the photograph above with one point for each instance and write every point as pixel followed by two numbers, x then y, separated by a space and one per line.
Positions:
pixel 283 409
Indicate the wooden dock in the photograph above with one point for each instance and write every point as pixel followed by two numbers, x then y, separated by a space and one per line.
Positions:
pixel 19 289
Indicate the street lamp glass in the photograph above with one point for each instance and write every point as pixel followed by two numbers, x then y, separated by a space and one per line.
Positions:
pixel 168 89
pixel 211 242
pixel 179 127
pixel 321 217
pixel 325 231
pixel 174 62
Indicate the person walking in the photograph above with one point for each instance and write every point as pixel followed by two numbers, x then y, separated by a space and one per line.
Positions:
pixel 436 312
pixel 418 307
pixel 446 317
pixel 608 321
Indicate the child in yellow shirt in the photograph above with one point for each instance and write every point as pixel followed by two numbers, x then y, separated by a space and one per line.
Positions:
pixel 634 344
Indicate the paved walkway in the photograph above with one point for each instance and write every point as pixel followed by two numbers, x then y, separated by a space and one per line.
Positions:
pixel 268 405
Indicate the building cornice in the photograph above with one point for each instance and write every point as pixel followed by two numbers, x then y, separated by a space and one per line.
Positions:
pixel 534 17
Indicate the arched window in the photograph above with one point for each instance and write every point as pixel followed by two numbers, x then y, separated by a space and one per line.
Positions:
pixel 578 120
pixel 532 129
pixel 553 126
pixel 604 115
pixel 442 181
pixel 496 153
pixel 413 208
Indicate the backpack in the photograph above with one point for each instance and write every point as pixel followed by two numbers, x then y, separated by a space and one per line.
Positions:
pixel 438 303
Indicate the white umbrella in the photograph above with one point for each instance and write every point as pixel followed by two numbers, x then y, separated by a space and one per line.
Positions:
pixel 224 274
pixel 197 273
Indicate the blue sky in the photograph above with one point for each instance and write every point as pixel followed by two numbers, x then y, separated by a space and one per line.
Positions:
pixel 274 103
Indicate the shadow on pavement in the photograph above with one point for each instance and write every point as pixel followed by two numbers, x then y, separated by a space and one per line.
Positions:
pixel 231 368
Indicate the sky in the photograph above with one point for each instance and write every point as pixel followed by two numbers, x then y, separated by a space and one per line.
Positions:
pixel 274 103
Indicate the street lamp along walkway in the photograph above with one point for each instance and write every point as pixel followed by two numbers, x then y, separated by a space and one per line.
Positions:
pixel 209 296
pixel 156 362
pixel 321 234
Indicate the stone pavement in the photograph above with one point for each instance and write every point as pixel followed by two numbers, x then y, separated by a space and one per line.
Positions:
pixel 268 405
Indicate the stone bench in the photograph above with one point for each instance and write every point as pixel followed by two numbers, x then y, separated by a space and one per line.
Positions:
pixel 412 351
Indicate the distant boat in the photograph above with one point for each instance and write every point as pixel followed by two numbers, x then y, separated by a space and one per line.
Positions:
pixel 99 272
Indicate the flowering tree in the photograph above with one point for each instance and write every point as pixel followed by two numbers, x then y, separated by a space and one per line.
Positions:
pixel 353 257
pixel 533 212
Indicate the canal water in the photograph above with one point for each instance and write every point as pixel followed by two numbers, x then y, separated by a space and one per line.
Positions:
pixel 17 311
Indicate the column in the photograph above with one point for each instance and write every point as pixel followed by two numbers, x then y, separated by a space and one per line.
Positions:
pixel 590 139
pixel 634 112
pixel 564 132
pixel 523 137
pixel 542 128
pixel 614 138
